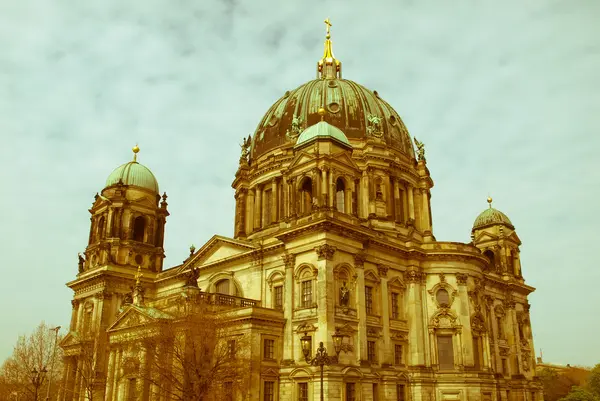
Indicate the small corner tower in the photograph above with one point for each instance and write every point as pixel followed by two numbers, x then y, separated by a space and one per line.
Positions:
pixel 128 221
pixel 494 234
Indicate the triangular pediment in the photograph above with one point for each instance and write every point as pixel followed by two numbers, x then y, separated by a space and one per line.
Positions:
pixel 344 159
pixel 134 316
pixel 515 238
pixel 300 159
pixel 216 249
pixel 485 236
pixel 69 340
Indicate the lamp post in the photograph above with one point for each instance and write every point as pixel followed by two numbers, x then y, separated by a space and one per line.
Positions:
pixel 37 378
pixel 321 358
pixel 55 329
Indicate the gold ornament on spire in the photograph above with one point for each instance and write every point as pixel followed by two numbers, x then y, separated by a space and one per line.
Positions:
pixel 328 67
pixel 489 201
pixel 322 112
pixel 135 150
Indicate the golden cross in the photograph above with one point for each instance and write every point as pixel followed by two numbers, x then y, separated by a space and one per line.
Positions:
pixel 138 275
pixel 328 23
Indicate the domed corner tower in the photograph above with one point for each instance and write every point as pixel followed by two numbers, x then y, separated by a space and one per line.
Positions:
pixel 494 234
pixel 128 221
pixel 332 148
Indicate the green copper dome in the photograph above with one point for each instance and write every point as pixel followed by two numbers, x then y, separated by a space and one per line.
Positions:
pixel 322 129
pixel 133 173
pixel 490 217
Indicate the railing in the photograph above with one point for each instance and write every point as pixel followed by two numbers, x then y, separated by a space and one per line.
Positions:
pixel 227 300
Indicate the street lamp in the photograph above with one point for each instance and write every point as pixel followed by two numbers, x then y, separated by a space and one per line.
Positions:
pixel 37 378
pixel 321 358
pixel 55 329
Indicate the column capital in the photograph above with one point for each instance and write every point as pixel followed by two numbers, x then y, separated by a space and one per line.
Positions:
pixel 289 260
pixel 414 276
pixel 325 251
pixel 360 259
pixel 382 270
pixel 461 278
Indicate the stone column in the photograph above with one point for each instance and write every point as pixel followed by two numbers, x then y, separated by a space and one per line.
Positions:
pixel 465 318
pixel 79 317
pixel 325 302
pixel 411 202
pixel 109 223
pixel 323 199
pixel 363 196
pixel 371 188
pixel 117 372
pixel 389 196
pixel 274 201
pixel 388 356
pixel 285 197
pixel 348 199
pixel 250 212
pixel 425 321
pixel 404 204
pixel 360 348
pixel 397 204
pixel 425 221
pixel 514 334
pixel 110 376
pixel 293 197
pixel 258 208
pixel 415 320
pixel 288 307
pixel 332 189
pixel 494 350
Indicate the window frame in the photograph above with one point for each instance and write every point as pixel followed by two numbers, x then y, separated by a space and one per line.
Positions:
pixel 445 366
pixel 268 344
pixel 303 396
pixel 398 360
pixel 369 301
pixel 372 351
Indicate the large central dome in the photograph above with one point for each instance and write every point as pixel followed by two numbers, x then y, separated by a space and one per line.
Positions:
pixel 359 112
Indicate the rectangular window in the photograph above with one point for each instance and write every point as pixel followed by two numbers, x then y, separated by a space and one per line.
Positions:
pixel 533 396
pixel 445 352
pixel 131 390
pixel 302 391
pixel 476 352
pixel 228 391
pixel 231 349
pixel 371 356
pixel 398 354
pixel 369 300
pixel 268 349
pixel 395 309
pixel 504 367
pixel 350 392
pixel 375 392
pixel 400 392
pixel 269 391
pixel 500 328
pixel 279 297
pixel 306 294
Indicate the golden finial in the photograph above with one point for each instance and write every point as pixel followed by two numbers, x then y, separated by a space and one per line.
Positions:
pixel 328 23
pixel 135 149
pixel 489 200
pixel 138 275
pixel 322 112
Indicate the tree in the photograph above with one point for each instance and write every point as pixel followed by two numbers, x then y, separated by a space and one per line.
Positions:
pixel 84 349
pixel 27 373
pixel 588 389
pixel 579 394
pixel 196 357
pixel 593 380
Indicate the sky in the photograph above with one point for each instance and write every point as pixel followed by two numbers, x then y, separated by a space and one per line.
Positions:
pixel 505 96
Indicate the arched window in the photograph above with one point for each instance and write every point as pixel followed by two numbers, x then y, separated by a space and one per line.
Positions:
pixel 139 227
pixel 490 255
pixel 340 199
pixel 101 226
pixel 222 287
pixel 443 297
pixel 306 196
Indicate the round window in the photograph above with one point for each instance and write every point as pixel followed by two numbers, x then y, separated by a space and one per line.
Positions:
pixel 443 298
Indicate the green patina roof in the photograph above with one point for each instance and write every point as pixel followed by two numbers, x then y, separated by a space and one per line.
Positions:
pixel 133 173
pixel 491 216
pixel 322 129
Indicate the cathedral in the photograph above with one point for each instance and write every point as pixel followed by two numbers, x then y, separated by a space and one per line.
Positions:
pixel 333 250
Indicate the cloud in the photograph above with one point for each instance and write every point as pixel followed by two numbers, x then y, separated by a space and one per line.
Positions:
pixel 504 96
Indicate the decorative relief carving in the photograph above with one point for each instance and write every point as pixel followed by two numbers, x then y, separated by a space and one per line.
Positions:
pixel 526 358
pixel 442 278
pixel 413 276
pixel 325 251
pixel 382 270
pixel 499 311
pixel 373 332
pixel 444 318
pixel 374 126
pixel 461 278
pixel 360 259
pixel 306 328
pixel 289 260
pixel 503 351
pixel 74 303
pixel 509 302
pixel 478 322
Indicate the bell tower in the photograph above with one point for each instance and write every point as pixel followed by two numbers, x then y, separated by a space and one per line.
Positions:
pixel 128 221
pixel 494 234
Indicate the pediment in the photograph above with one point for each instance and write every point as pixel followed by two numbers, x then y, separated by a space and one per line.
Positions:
pixel 133 316
pixel 485 236
pixel 69 340
pixel 300 159
pixel 344 158
pixel 216 249
pixel 144 201
pixel 515 238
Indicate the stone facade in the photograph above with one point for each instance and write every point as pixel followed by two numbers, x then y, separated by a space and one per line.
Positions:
pixel 330 236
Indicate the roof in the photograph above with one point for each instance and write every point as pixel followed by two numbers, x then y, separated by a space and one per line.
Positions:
pixel 322 129
pixel 133 173
pixel 491 216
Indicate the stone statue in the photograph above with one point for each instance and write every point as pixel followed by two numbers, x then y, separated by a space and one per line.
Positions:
pixel 344 295
pixel 295 128
pixel 192 278
pixel 128 298
pixel 420 149
pixel 374 128
pixel 246 143
pixel 81 262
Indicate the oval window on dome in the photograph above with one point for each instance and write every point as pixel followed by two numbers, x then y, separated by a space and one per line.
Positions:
pixel 333 107
pixel 442 297
pixel 332 83
pixel 392 120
